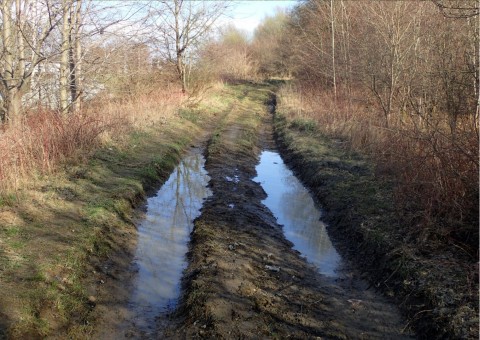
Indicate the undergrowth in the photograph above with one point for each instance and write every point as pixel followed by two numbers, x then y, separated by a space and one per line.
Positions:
pixel 411 216
pixel 434 168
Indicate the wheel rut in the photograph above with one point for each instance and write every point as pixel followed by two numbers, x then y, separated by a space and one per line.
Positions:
pixel 244 280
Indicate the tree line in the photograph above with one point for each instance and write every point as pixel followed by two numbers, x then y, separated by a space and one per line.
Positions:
pixel 57 53
pixel 398 80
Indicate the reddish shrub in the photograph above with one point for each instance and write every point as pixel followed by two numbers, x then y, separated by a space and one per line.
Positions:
pixel 435 169
pixel 43 140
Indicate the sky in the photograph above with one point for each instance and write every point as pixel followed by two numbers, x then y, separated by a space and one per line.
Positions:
pixel 247 14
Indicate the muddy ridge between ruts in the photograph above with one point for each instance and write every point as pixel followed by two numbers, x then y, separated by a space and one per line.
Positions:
pixel 244 279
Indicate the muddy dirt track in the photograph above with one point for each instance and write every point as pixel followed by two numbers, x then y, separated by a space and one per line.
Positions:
pixel 243 279
pixel 233 288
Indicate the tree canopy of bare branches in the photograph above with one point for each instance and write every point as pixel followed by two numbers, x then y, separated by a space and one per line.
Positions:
pixel 179 28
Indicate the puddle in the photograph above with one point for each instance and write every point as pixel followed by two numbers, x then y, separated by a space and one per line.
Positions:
pixel 293 206
pixel 163 238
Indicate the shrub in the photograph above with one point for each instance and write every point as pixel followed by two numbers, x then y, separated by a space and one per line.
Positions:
pixel 434 168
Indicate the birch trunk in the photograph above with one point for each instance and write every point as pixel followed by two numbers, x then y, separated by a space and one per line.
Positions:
pixel 64 60
pixel 13 103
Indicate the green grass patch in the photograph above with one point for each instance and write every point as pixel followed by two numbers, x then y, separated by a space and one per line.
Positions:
pixel 8 200
pixel 191 115
pixel 11 231
pixel 304 125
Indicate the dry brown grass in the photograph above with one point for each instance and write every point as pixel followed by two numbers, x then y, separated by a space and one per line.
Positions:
pixel 45 139
pixel 42 141
pixel 435 170
pixel 143 109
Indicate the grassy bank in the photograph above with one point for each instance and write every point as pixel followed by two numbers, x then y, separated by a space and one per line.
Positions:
pixel 434 286
pixel 57 230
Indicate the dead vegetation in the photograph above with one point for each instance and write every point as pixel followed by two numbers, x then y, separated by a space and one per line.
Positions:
pixel 411 214
pixel 434 170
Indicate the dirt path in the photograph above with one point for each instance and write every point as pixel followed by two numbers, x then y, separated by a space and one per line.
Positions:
pixel 233 288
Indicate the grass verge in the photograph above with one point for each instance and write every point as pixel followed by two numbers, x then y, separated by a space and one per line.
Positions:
pixel 58 228
pixel 434 287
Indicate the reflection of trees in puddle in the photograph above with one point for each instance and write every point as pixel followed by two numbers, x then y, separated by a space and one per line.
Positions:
pixel 164 235
pixel 304 217
pixel 179 200
pixel 295 209
pixel 190 189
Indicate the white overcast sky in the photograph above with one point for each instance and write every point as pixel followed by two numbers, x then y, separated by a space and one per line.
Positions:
pixel 247 14
pixel 243 14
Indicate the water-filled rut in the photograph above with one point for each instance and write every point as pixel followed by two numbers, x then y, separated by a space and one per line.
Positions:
pixel 160 256
pixel 163 235
pixel 293 206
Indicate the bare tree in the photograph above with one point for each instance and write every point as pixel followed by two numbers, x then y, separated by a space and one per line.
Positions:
pixel 25 27
pixel 65 50
pixel 269 48
pixel 228 57
pixel 71 55
pixel 180 25
pixel 395 25
pixel 334 75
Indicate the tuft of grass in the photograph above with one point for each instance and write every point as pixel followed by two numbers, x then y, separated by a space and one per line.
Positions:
pixel 8 199
pixel 190 114
pixel 306 125
pixel 12 231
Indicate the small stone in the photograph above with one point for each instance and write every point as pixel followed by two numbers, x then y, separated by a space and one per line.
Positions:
pixel 272 268
pixel 92 299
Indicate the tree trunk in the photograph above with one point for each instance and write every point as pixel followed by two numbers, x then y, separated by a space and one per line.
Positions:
pixel 14 106
pixel 75 53
pixel 12 109
pixel 332 20
pixel 64 61
pixel 78 59
pixel 181 72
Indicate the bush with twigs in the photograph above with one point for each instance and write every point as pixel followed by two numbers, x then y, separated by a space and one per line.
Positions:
pixel 435 171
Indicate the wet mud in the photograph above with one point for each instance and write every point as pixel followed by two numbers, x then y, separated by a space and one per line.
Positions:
pixel 245 279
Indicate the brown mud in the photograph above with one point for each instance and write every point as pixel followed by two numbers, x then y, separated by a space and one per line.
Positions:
pixel 244 280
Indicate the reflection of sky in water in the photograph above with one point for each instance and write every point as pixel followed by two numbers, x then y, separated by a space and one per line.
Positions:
pixel 294 208
pixel 163 239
